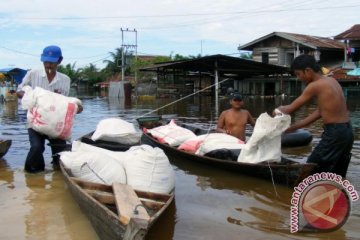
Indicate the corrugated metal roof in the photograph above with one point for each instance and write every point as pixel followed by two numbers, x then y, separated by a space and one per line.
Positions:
pixel 313 42
pixel 225 64
pixel 351 34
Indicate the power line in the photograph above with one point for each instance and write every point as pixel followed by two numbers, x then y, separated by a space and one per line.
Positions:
pixel 256 12
pixel 185 14
pixel 82 65
pixel 37 55
pixel 94 56
pixel 102 59
pixel 17 51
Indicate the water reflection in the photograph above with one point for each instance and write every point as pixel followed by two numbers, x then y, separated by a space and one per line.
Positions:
pixel 10 110
pixel 299 154
pixel 38 220
pixel 120 103
pixel 7 174
pixel 52 211
pixel 251 203
pixel 164 227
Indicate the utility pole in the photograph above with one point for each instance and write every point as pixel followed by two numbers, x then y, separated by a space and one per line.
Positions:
pixel 125 45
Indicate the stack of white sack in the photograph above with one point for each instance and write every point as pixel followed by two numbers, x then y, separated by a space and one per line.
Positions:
pixel 117 130
pixel 149 170
pixel 171 134
pixel 265 141
pixel 142 167
pixel 49 113
pixel 214 141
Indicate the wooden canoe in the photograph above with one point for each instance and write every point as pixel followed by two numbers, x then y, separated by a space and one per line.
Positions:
pixel 117 211
pixel 4 147
pixel 287 172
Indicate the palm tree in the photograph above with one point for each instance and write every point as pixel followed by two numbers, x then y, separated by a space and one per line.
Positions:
pixel 70 71
pixel 113 66
pixel 90 73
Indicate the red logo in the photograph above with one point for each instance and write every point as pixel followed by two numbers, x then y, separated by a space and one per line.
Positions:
pixel 325 206
pixel 35 117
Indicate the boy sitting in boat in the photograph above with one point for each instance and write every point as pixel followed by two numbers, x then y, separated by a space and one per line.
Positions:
pixel 233 121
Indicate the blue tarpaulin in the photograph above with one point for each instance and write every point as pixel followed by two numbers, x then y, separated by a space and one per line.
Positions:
pixel 16 73
pixel 355 72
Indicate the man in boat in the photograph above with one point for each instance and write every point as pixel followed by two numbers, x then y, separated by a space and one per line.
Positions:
pixel 233 121
pixel 51 80
pixel 333 153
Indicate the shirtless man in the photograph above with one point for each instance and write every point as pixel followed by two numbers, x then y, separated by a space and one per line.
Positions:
pixel 233 121
pixel 333 153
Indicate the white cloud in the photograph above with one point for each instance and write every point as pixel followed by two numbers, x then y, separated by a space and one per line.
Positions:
pixel 92 28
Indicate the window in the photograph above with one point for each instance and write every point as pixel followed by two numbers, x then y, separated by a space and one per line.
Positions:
pixel 265 57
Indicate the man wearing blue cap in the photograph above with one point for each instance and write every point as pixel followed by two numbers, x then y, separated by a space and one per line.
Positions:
pixel 233 121
pixel 48 78
pixel 51 80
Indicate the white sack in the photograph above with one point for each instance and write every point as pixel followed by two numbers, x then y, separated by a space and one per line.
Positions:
pixel 265 141
pixel 171 134
pixel 215 141
pixel 116 130
pixel 49 113
pixel 149 169
pixel 78 146
pixel 94 167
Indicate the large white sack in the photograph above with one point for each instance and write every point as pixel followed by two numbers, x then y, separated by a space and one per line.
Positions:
pixel 78 146
pixel 149 169
pixel 215 141
pixel 265 141
pixel 171 134
pixel 49 113
pixel 94 167
pixel 116 130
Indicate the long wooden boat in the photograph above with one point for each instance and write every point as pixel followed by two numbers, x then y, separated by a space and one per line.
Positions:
pixel 117 211
pixel 4 147
pixel 297 138
pixel 287 172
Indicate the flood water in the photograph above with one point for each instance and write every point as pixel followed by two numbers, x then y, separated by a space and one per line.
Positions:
pixel 209 203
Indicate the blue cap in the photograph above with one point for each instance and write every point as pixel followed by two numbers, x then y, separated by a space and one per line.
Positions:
pixel 51 54
pixel 236 96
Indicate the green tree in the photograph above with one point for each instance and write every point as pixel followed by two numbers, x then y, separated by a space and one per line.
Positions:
pixel 139 63
pixel 70 70
pixel 113 65
pixel 246 55
pixel 112 68
pixel 91 74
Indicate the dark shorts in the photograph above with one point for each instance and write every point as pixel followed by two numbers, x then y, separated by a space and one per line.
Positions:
pixel 333 153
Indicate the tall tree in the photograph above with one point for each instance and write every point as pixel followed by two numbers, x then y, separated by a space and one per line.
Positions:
pixel 92 74
pixel 113 65
pixel 70 70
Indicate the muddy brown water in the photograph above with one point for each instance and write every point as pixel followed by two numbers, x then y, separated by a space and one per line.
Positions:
pixel 209 203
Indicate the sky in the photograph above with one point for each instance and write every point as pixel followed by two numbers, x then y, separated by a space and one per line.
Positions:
pixel 88 30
